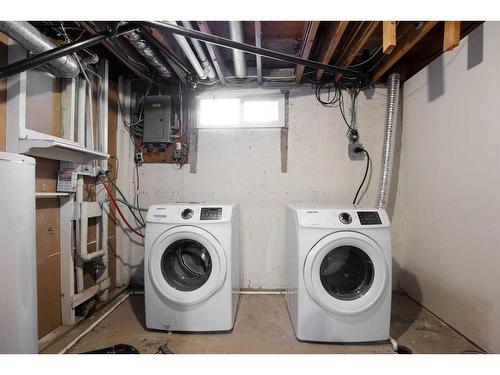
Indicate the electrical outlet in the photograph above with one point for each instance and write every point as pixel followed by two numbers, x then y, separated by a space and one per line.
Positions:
pixel 177 156
pixel 355 155
pixel 139 158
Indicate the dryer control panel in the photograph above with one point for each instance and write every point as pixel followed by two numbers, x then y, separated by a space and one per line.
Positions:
pixel 342 218
pixel 369 218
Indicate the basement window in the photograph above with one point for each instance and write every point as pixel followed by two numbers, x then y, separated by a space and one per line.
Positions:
pixel 241 110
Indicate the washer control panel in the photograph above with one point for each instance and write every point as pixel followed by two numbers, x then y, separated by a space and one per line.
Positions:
pixel 190 213
pixel 211 213
pixel 187 214
pixel 345 218
pixel 369 218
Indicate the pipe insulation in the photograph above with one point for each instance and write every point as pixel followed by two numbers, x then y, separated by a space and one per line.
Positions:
pixel 205 62
pixel 186 48
pixel 33 40
pixel 393 84
pixel 143 47
pixel 237 34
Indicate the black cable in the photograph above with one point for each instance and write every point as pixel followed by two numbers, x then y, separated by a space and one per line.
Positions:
pixel 358 150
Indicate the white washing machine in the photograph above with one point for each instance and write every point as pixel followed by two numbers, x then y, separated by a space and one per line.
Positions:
pixel 338 273
pixel 192 267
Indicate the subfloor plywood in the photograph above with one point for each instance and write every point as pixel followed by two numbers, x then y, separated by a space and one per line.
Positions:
pixel 263 326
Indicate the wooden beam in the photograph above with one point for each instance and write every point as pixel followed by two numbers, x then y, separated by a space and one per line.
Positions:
pixel 402 48
pixel 388 36
pixel 332 40
pixel 356 44
pixel 310 29
pixel 451 35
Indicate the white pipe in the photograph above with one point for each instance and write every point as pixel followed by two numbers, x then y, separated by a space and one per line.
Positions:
pixel 205 62
pixel 262 292
pixel 93 325
pixel 394 344
pixel 78 233
pixel 103 140
pixel 81 111
pixel 237 34
pixel 186 48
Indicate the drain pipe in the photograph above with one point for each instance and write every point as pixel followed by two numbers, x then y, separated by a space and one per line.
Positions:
pixel 393 83
pixel 237 34
pixel 33 40
pixel 93 325
pixel 205 62
pixel 186 48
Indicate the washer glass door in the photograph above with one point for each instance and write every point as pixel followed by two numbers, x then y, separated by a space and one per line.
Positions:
pixel 186 265
pixel 346 273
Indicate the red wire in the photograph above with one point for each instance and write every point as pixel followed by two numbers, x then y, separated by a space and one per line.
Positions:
pixel 118 208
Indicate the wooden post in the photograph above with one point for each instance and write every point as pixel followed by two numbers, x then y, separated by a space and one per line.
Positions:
pixel 388 36
pixel 451 35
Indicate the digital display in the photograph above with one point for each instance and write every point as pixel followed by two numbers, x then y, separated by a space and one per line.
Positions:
pixel 211 213
pixel 369 218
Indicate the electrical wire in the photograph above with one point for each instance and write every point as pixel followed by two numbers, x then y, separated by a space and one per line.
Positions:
pixel 137 208
pixel 368 161
pixel 113 200
pixel 137 219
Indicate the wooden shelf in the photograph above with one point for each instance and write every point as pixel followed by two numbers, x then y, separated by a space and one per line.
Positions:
pixel 59 150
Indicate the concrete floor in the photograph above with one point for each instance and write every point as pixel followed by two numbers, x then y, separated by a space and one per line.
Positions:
pixel 263 326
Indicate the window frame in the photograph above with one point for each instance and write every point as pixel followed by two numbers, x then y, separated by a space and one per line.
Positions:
pixel 245 96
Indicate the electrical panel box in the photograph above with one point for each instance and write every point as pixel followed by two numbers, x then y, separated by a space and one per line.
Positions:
pixel 161 119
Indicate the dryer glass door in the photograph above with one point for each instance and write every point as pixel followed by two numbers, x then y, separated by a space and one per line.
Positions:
pixel 346 273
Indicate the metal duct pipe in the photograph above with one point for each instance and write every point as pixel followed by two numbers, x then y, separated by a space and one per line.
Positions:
pixel 186 48
pixel 149 54
pixel 237 34
pixel 205 62
pixel 393 84
pixel 30 38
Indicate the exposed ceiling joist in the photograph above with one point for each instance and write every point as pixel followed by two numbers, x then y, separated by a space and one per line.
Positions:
pixel 310 29
pixel 388 36
pixel 333 40
pixel 451 35
pixel 356 44
pixel 402 48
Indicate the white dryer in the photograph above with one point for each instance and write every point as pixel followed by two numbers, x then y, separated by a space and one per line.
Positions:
pixel 192 267
pixel 338 273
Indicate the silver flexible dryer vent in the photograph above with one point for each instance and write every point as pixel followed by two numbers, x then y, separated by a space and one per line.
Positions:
pixel 393 83
pixel 34 41
pixel 149 54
